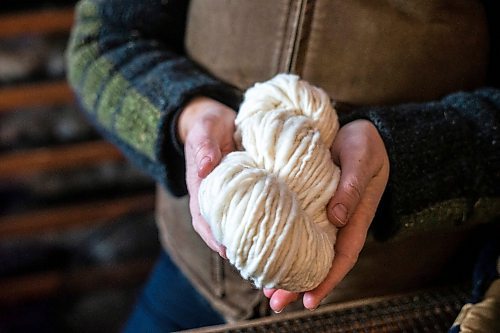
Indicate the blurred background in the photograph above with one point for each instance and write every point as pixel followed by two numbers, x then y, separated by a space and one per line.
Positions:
pixel 77 232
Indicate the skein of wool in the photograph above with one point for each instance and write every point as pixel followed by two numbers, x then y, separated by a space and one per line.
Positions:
pixel 266 203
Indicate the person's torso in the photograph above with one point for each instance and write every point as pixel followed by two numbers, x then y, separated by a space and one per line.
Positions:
pixel 359 51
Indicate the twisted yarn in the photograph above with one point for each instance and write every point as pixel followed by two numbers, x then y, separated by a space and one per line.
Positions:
pixel 267 202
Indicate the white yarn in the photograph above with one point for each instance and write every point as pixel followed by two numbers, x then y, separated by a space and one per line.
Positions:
pixel 267 204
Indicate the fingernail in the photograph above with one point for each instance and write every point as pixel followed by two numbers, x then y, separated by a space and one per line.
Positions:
pixel 313 308
pixel 222 253
pixel 340 212
pixel 204 161
pixel 278 311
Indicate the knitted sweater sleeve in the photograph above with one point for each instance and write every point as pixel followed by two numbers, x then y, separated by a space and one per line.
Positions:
pixel 444 155
pixel 127 66
pixel 445 161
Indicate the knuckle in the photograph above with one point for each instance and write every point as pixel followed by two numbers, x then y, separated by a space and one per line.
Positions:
pixel 349 258
pixel 204 144
pixel 204 147
pixel 352 189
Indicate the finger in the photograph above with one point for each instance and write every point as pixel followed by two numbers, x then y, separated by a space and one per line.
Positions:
pixel 340 267
pixel 350 241
pixel 203 229
pixel 354 178
pixel 281 298
pixel 202 153
pixel 222 252
pixel 207 155
pixel 268 292
pixel 347 196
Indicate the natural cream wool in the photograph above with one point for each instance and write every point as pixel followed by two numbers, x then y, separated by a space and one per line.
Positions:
pixel 267 203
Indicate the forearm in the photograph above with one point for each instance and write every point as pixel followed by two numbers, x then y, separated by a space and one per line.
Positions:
pixel 126 65
pixel 444 159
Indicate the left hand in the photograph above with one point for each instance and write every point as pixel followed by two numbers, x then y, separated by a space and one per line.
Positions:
pixel 360 152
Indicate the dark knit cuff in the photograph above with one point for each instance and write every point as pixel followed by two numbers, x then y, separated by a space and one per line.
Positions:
pixel 443 157
pixel 169 148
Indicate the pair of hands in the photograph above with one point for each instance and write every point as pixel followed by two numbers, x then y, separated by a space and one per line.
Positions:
pixel 206 128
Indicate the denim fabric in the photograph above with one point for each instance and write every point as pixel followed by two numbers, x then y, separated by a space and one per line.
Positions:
pixel 170 303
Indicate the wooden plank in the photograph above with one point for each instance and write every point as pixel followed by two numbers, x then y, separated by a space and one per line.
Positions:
pixel 77 281
pixel 35 94
pixel 83 214
pixel 54 158
pixel 36 22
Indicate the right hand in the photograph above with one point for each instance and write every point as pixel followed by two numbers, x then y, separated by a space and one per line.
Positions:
pixel 206 128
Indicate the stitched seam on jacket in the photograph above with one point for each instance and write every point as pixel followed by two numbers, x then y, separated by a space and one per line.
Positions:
pixel 302 36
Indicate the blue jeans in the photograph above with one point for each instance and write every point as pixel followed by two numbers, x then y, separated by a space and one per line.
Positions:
pixel 170 303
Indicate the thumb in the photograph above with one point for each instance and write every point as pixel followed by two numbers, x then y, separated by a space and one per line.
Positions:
pixel 207 156
pixel 347 196
pixel 202 151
